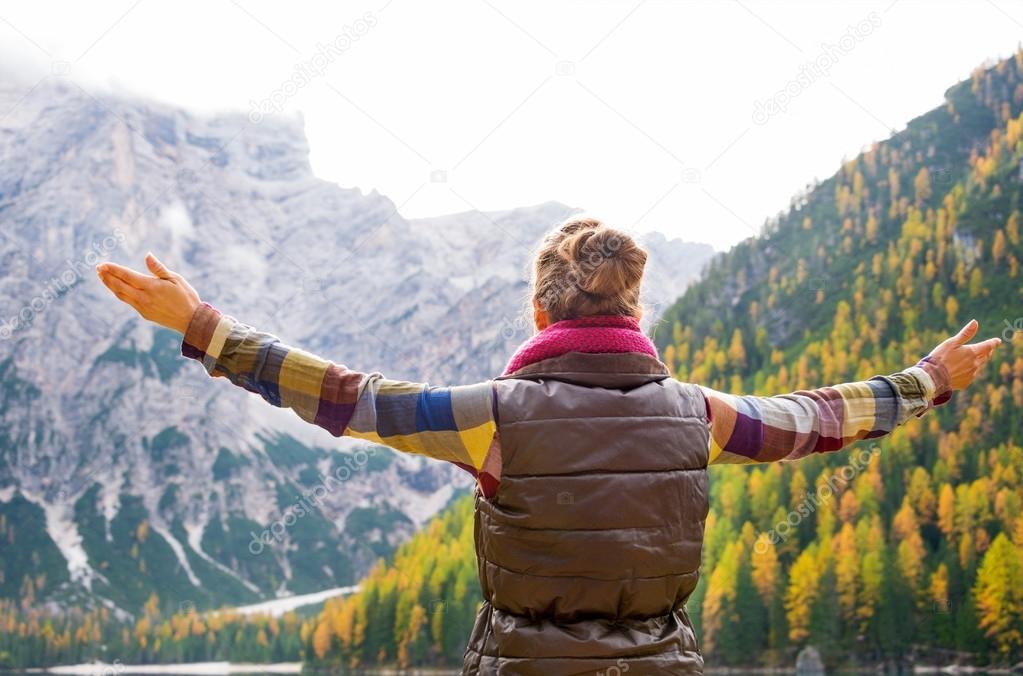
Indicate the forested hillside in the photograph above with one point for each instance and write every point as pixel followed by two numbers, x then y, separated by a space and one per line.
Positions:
pixel 417 610
pixel 39 638
pixel 922 543
pixel 915 550
pixel 910 547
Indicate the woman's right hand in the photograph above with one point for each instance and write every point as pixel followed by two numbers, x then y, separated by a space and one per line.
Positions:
pixel 963 362
pixel 164 297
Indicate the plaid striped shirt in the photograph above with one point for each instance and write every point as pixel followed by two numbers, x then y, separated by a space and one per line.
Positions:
pixel 457 423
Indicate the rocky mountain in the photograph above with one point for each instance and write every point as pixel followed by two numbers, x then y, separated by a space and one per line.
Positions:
pixel 124 470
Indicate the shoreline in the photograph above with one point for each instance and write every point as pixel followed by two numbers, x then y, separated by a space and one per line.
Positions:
pixel 213 669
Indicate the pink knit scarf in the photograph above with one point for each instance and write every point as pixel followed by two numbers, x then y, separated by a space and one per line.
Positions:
pixel 599 333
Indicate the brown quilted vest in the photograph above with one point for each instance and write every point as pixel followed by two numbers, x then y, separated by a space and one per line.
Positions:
pixel 591 545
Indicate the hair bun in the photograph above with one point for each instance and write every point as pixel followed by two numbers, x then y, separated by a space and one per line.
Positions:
pixel 606 262
pixel 584 268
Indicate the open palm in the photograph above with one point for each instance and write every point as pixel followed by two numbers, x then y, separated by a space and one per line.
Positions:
pixel 163 297
pixel 963 361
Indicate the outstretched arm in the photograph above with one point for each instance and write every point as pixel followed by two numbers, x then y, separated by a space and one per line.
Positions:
pixel 448 423
pixel 747 429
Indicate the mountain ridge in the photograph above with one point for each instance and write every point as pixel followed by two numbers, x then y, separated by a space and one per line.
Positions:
pixel 121 469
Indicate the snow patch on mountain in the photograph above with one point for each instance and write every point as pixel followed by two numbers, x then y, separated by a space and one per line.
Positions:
pixel 63 530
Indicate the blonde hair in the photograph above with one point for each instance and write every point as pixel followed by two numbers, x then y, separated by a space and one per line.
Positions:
pixel 585 268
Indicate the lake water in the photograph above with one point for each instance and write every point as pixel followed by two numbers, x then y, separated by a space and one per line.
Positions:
pixel 210 669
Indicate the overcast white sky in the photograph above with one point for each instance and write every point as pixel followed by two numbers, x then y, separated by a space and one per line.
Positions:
pixel 645 113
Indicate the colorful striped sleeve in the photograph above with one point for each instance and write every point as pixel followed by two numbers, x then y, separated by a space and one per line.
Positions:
pixel 447 423
pixel 748 429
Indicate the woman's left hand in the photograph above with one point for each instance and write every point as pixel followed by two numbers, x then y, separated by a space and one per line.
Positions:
pixel 964 362
pixel 163 297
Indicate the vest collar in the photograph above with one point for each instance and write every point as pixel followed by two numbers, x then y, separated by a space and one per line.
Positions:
pixel 617 370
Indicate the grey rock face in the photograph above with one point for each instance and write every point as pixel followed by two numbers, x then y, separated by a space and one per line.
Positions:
pixel 123 469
